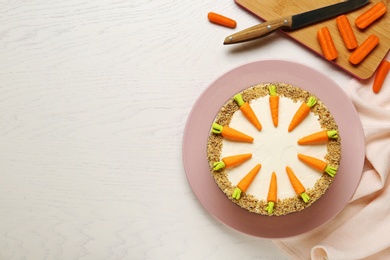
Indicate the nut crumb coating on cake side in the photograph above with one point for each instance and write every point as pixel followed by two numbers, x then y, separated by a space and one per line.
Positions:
pixel 282 206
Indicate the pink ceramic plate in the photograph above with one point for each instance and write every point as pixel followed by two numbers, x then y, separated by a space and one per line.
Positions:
pixel 197 131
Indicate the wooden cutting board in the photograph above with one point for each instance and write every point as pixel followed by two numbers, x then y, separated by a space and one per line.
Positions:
pixel 271 9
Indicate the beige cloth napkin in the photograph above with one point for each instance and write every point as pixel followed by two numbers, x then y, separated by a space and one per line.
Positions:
pixel 362 229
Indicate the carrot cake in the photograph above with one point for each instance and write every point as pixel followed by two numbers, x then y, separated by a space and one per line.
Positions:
pixel 274 149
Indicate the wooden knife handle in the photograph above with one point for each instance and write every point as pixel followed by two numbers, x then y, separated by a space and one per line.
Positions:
pixel 259 30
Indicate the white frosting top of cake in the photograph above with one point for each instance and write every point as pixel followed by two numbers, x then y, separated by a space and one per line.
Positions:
pixel 274 148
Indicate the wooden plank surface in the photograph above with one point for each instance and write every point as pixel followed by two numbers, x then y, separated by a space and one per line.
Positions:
pixel 270 9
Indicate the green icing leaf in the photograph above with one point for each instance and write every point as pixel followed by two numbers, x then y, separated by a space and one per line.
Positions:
pixel 237 193
pixel 239 100
pixel 311 102
pixel 272 90
pixel 218 165
pixel 216 128
pixel 331 170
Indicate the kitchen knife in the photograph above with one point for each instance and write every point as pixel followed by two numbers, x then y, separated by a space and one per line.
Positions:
pixel 293 22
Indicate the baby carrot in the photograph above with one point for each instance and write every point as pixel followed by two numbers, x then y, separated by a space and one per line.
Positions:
pixel 221 20
pixel 244 183
pixel 248 112
pixel 318 164
pixel 318 137
pixel 231 161
pixel 272 194
pixel 346 32
pixel 302 113
pixel 371 15
pixel 297 185
pixel 381 74
pixel 231 133
pixel 274 104
pixel 364 49
pixel 326 42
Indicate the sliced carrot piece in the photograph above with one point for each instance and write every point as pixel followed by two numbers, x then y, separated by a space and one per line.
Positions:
pixel 364 49
pixel 327 44
pixel 221 20
pixel 371 15
pixel 382 71
pixel 346 32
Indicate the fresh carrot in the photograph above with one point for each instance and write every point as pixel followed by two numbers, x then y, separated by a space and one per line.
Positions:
pixel 231 133
pixel 248 112
pixel 297 185
pixel 318 164
pixel 381 73
pixel 371 15
pixel 245 182
pixel 326 42
pixel 272 193
pixel 302 113
pixel 274 104
pixel 232 161
pixel 318 137
pixel 346 32
pixel 221 20
pixel 364 49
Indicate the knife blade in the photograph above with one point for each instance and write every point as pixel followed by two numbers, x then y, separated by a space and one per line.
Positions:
pixel 296 21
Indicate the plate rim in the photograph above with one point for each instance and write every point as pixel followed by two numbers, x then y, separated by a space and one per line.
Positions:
pixel 259 224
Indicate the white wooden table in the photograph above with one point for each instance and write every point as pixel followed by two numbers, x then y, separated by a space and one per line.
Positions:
pixel 94 97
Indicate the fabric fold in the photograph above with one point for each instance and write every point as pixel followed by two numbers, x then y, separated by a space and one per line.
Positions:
pixel 361 230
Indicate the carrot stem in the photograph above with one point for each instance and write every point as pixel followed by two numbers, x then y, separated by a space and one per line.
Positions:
pixel 382 71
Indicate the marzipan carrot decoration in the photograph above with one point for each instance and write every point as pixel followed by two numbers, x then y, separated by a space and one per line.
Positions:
pixel 302 113
pixel 221 20
pixel 318 164
pixel 364 49
pixel 327 45
pixel 231 161
pixel 245 182
pixel 381 73
pixel 346 32
pixel 272 194
pixel 371 15
pixel 247 111
pixel 231 133
pixel 297 185
pixel 274 104
pixel 318 137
